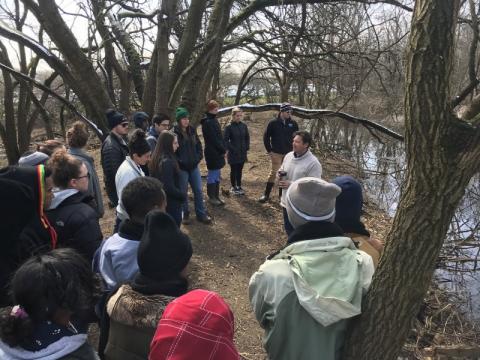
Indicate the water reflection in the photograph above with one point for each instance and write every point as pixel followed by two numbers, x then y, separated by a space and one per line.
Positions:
pixel 382 162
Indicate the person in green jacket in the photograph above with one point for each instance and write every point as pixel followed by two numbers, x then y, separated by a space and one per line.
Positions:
pixel 304 294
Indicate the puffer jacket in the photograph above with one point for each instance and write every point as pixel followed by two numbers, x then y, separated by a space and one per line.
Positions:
pixel 76 222
pixel 189 152
pixel 114 151
pixel 237 140
pixel 214 146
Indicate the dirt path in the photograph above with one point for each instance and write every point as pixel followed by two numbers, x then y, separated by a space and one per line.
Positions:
pixel 243 233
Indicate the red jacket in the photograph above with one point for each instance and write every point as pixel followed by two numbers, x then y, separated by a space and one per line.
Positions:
pixel 197 325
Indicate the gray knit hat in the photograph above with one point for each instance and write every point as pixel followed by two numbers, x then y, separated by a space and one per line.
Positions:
pixel 311 199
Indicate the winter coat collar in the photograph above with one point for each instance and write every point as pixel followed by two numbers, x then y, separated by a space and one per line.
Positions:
pixel 315 230
pixel 81 153
pixel 60 196
pixel 71 196
pixel 130 230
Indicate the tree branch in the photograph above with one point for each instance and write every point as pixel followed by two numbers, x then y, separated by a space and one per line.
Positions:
pixel 22 77
pixel 315 114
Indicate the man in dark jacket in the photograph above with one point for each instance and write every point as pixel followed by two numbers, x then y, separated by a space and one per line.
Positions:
pixel 114 151
pixel 278 142
pixel 214 152
pixel 160 123
pixel 189 154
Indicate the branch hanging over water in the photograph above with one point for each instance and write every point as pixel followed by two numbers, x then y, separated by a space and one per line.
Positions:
pixel 316 114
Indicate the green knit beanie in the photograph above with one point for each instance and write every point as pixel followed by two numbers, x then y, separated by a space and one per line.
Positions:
pixel 181 113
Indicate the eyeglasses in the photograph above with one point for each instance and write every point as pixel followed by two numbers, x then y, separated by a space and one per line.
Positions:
pixel 84 176
pixel 124 124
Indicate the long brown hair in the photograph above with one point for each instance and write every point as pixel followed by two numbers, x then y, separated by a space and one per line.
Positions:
pixel 163 149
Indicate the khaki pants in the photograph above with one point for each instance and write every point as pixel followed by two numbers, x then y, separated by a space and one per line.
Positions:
pixel 276 160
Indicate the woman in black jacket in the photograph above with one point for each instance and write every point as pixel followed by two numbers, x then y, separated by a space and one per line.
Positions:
pixel 164 166
pixel 72 211
pixel 237 140
pixel 214 152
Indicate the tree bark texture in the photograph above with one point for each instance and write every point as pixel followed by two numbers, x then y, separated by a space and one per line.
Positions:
pixel 165 23
pixel 442 156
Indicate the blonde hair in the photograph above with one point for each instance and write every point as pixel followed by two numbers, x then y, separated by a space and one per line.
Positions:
pixel 235 110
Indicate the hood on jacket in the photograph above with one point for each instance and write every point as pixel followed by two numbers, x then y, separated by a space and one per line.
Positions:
pixel 60 196
pixel 329 276
pixel 197 325
pixel 81 153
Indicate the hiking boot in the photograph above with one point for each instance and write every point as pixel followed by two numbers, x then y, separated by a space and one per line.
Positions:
pixel 186 219
pixel 211 193
pixel 205 219
pixel 266 195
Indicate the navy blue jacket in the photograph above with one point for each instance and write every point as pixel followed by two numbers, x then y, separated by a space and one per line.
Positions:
pixel 278 136
pixel 237 140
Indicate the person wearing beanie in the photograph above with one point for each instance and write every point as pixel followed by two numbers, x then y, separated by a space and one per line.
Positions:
pixel 277 140
pixel 348 212
pixel 33 158
pixel 237 140
pixel 214 152
pixel 189 153
pixel 113 152
pixel 297 164
pixel 26 191
pixel 160 123
pixel 141 120
pixel 131 168
pixel 117 257
pixel 197 325
pixel 304 294
pixel 135 308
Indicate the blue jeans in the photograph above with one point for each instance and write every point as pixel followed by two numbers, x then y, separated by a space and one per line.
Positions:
pixel 213 176
pixel 286 223
pixel 193 177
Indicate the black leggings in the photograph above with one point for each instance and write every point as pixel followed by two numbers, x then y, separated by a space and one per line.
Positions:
pixel 236 174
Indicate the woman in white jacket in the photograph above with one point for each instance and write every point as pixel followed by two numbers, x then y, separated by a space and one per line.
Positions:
pixel 139 155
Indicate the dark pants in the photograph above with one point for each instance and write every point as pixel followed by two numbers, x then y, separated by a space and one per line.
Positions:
pixel 236 174
pixel 286 223
pixel 175 211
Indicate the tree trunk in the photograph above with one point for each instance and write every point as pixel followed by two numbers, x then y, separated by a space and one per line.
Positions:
pixel 442 156
pixel 8 130
pixel 165 22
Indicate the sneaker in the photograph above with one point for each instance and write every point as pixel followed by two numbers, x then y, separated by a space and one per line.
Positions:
pixel 240 191
pixel 186 219
pixel 233 190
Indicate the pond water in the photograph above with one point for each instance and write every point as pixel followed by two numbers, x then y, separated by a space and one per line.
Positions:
pixel 383 163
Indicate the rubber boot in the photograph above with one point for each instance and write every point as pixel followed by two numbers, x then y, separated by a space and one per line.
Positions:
pixel 211 192
pixel 217 193
pixel 266 194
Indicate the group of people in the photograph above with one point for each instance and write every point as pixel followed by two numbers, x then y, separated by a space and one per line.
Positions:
pixel 58 274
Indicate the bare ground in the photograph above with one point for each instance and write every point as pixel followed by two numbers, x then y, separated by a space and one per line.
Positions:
pixel 243 233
